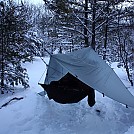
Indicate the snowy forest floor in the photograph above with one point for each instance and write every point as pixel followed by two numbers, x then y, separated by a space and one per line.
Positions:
pixel 35 114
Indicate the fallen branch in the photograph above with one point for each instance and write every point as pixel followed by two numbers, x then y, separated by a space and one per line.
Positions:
pixel 15 98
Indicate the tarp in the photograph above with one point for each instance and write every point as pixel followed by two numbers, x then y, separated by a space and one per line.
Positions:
pixel 88 67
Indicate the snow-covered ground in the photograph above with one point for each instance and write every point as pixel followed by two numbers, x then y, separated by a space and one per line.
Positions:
pixel 35 114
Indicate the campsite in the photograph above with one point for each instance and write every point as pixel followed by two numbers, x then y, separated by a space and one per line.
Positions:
pixel 66 66
pixel 35 114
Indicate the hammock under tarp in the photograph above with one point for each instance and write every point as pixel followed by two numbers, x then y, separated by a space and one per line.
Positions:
pixel 69 90
pixel 91 72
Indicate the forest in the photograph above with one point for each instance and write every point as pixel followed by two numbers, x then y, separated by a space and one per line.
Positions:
pixel 28 30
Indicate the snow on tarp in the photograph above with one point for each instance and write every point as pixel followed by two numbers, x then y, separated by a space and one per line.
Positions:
pixel 88 67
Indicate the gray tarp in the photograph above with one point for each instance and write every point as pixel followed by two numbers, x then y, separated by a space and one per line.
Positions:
pixel 88 67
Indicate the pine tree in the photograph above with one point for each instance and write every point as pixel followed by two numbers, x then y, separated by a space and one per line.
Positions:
pixel 95 23
pixel 15 48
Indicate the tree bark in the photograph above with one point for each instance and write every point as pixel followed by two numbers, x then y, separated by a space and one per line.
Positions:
pixel 106 32
pixel 86 23
pixel 2 54
pixel 93 42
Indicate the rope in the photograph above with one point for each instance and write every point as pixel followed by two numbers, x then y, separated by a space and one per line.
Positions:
pixel 41 76
pixel 43 61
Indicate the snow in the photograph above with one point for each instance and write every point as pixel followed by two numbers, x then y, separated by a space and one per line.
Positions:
pixel 130 130
pixel 35 114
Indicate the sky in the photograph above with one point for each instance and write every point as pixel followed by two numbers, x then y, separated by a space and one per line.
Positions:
pixel 33 1
pixel 36 1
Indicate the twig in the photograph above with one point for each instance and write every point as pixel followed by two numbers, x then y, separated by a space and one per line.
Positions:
pixel 4 105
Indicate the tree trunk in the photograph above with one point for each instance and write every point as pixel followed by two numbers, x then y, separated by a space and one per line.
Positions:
pixel 86 32
pixel 2 55
pixel 106 32
pixel 86 23
pixel 93 42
